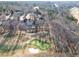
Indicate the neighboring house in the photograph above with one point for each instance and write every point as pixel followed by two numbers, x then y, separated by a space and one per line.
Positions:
pixel 35 20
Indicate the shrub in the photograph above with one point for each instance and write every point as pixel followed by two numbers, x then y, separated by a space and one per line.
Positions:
pixel 71 18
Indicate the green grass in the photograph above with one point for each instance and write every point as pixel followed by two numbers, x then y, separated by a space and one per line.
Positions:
pixel 40 44
pixel 7 48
